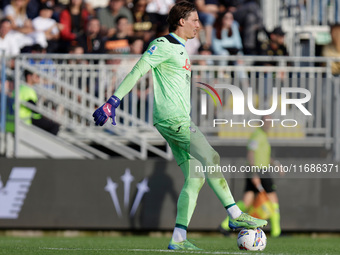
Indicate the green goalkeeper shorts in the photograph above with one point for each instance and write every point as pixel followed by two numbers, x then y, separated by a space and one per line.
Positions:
pixel 182 136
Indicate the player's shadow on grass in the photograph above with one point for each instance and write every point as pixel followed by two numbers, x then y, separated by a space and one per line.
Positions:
pixel 161 186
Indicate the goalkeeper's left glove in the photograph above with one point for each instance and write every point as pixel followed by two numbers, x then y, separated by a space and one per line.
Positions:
pixel 106 111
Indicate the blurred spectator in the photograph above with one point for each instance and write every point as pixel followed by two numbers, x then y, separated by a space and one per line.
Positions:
pixel 74 20
pixel 142 26
pixel 275 45
pixel 58 7
pixel 136 45
pixel 32 9
pixel 158 10
pixel 249 16
pixel 205 50
pixel 76 50
pixel 12 41
pixel 119 42
pixel 97 4
pixel 8 39
pixel 48 26
pixel 207 12
pixel 226 39
pixel 37 49
pixel 91 41
pixel 107 17
pixel 16 13
pixel 333 49
pixel 27 94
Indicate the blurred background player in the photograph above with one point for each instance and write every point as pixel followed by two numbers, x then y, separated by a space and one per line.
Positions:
pixel 259 154
pixel 27 94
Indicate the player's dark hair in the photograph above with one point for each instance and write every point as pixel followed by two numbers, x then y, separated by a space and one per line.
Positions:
pixel 218 25
pixel 5 20
pixel 27 73
pixel 132 39
pixel 120 17
pixel 180 10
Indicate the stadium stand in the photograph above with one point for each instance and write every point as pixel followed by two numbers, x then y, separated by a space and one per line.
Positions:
pixel 72 86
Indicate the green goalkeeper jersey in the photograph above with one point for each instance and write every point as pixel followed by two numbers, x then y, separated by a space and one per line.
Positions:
pixel 171 72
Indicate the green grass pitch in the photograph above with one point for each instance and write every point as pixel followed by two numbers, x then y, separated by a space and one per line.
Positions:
pixel 140 245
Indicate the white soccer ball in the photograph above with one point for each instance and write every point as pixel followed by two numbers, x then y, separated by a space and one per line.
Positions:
pixel 252 239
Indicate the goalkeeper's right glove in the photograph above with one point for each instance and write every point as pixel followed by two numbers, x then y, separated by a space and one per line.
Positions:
pixel 106 111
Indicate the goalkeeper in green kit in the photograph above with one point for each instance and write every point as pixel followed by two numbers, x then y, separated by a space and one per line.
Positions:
pixel 171 69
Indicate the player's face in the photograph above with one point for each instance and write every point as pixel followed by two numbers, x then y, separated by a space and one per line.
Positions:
pixel 93 27
pixel 191 25
pixel 5 28
pixel 35 78
pixel 228 20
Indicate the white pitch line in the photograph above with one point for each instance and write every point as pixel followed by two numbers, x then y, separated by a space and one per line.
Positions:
pixel 170 251
pixel 145 250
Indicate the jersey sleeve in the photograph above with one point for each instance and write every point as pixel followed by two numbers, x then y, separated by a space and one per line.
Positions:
pixel 158 52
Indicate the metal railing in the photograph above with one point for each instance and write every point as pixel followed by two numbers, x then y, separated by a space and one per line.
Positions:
pixel 306 22
pixel 311 12
pixel 71 87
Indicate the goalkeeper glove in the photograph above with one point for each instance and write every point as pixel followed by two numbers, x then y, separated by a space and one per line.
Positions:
pixel 106 111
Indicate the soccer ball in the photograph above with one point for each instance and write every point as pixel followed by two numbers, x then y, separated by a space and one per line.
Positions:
pixel 252 239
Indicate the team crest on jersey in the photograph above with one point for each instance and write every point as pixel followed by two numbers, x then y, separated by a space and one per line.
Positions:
pixel 152 49
pixel 187 65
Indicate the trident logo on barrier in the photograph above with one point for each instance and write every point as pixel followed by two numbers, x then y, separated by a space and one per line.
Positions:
pixel 127 179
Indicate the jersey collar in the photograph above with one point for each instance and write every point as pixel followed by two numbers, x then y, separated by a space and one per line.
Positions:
pixel 179 39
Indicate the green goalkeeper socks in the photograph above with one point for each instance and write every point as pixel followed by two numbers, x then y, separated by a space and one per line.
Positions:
pixel 193 183
pixel 221 189
pixel 187 199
